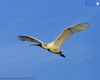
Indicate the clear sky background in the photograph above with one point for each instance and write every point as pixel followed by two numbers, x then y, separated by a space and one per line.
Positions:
pixel 44 20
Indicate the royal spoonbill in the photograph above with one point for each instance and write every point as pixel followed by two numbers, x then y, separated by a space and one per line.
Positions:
pixel 54 46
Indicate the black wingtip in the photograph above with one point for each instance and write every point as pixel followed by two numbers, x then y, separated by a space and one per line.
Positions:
pixel 35 45
pixel 86 23
pixel 18 37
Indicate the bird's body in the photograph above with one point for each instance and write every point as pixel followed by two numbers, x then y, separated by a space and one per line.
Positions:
pixel 54 46
pixel 50 47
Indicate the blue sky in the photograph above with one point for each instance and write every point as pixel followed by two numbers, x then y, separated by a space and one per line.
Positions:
pixel 45 19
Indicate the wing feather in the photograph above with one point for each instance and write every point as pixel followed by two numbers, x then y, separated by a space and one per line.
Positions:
pixel 67 33
pixel 29 38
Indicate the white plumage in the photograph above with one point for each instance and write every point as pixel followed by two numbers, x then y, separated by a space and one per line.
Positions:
pixel 56 44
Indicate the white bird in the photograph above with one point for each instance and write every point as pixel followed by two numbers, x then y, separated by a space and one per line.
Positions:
pixel 54 46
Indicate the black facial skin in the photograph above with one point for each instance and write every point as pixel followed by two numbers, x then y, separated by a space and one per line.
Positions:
pixel 62 54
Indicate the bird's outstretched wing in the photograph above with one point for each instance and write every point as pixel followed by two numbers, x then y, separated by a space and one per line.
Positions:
pixel 68 32
pixel 29 38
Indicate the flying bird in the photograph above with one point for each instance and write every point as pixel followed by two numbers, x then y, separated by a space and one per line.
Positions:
pixel 54 46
